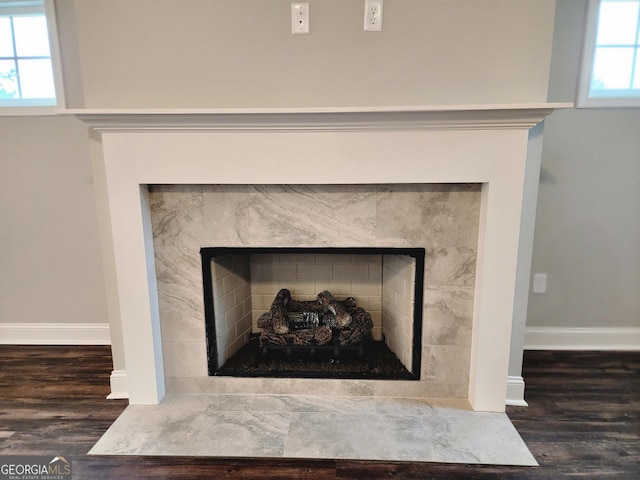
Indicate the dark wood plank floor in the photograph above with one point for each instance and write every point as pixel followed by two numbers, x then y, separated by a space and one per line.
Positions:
pixel 583 422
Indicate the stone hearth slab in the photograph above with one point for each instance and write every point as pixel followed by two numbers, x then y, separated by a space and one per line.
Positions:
pixel 288 426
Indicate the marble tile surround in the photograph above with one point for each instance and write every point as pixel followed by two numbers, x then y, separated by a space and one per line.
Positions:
pixel 391 429
pixel 442 218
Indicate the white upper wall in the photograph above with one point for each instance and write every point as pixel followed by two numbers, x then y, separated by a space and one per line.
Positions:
pixel 241 53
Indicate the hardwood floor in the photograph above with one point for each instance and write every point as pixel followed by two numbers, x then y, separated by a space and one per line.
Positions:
pixel 583 422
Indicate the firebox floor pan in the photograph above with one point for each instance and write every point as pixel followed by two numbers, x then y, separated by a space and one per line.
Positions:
pixel 370 360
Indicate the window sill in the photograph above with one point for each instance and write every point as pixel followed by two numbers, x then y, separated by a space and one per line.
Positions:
pixel 29 111
pixel 608 102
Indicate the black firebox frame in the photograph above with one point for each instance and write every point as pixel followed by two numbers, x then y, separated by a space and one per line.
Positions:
pixel 209 253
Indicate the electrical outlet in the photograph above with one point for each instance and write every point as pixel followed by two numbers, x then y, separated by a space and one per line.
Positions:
pixel 372 15
pixel 539 283
pixel 299 18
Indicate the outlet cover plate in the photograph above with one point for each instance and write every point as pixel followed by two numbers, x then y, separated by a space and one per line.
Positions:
pixel 299 18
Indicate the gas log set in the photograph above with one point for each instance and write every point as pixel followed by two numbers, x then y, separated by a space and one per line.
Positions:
pixel 323 323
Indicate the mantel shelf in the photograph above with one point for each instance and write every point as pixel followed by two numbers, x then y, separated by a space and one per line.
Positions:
pixel 511 116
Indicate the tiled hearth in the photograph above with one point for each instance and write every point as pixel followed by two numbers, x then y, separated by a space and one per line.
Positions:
pixel 402 174
pixel 277 426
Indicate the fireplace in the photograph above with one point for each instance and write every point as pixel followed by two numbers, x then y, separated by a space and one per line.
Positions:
pixel 357 153
pixel 378 291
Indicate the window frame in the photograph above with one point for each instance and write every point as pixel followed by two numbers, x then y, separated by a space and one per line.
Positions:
pixel 588 54
pixel 30 106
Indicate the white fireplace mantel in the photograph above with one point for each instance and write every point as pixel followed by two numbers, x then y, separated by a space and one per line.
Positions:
pixel 484 144
pixel 315 119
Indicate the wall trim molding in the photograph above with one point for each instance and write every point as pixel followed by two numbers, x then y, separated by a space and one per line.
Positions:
pixel 600 338
pixel 515 392
pixel 451 117
pixel 54 334
pixel 119 385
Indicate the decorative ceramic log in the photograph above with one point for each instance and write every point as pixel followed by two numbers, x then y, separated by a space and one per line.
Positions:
pixel 358 330
pixel 351 324
pixel 349 303
pixel 269 337
pixel 308 306
pixel 279 313
pixel 265 322
pixel 315 336
pixel 342 317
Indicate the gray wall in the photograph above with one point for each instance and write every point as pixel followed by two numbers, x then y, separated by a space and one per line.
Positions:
pixel 240 53
pixel 51 266
pixel 230 53
pixel 587 236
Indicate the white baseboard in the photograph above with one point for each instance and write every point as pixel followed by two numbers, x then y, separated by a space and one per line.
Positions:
pixel 54 334
pixel 558 338
pixel 119 385
pixel 515 392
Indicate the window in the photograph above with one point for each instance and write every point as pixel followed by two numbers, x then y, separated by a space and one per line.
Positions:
pixel 29 73
pixel 611 63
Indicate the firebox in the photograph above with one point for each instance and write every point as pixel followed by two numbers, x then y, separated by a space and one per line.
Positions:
pixel 314 312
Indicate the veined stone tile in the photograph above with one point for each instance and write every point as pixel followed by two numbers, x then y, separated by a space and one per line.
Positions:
pixel 270 386
pixel 354 436
pixel 433 216
pixel 445 364
pixel 483 438
pixel 180 295
pixel 200 215
pixel 403 406
pixel 185 359
pixel 130 434
pixel 292 403
pixel 186 385
pixel 393 429
pixel 312 215
pixel 450 266
pixel 196 433
pixel 422 389
pixel 480 437
pixel 448 315
pixel 229 434
pixel 178 265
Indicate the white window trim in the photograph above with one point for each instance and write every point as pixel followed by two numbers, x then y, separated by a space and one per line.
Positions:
pixel 24 108
pixel 589 44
